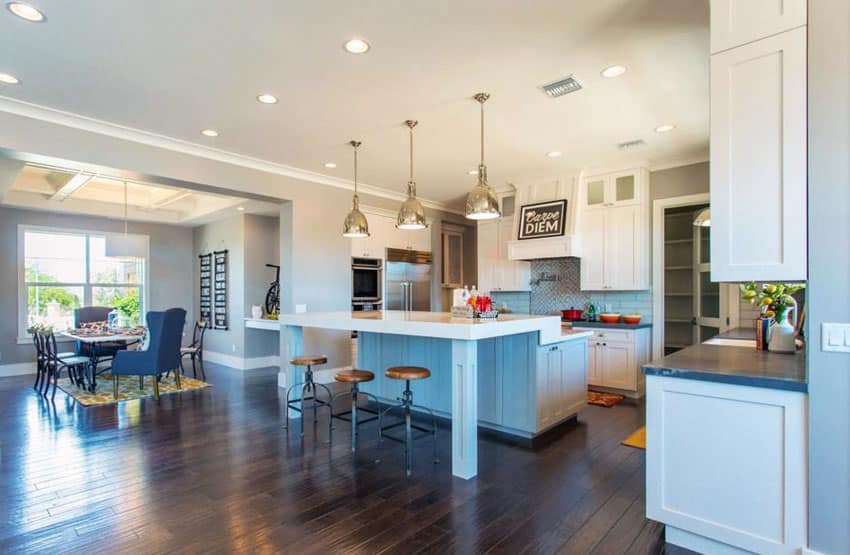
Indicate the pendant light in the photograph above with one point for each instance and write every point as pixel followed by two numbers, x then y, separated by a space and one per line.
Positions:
pixel 126 247
pixel 703 219
pixel 411 215
pixel 481 203
pixel 355 223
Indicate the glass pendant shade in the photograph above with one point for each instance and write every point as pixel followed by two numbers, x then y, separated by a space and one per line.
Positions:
pixel 481 202
pixel 703 219
pixel 355 224
pixel 411 214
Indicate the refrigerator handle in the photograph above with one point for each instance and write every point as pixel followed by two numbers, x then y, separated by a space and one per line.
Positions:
pixel 410 295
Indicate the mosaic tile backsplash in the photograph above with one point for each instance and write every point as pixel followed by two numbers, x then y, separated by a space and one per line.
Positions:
pixel 555 285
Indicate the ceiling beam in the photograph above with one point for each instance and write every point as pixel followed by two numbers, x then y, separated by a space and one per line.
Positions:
pixel 77 182
pixel 172 198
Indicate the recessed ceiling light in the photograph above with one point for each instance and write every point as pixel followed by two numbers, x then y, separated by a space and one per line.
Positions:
pixel 665 128
pixel 266 98
pixel 330 165
pixel 356 46
pixel 25 11
pixel 240 208
pixel 9 79
pixel 209 133
pixel 472 172
pixel 554 154
pixel 613 71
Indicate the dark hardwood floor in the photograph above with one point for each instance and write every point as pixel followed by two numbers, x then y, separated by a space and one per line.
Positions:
pixel 212 471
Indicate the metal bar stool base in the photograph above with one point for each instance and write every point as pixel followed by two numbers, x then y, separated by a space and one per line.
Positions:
pixel 298 404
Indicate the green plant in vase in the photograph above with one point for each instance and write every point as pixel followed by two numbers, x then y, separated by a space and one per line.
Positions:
pixel 773 299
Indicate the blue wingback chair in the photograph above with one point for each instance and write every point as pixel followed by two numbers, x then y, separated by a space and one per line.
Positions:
pixel 165 333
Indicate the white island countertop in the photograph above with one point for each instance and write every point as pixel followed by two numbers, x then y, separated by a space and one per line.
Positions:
pixel 424 324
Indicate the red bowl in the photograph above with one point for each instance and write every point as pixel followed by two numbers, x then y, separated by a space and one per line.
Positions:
pixel 632 319
pixel 609 318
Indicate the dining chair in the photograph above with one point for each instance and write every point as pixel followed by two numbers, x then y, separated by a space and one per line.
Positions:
pixel 165 331
pixel 56 361
pixel 195 350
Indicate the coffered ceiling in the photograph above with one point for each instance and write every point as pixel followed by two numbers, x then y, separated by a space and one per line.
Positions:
pixel 176 68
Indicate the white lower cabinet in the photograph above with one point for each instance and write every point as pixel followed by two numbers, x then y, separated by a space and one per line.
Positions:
pixel 615 357
pixel 561 381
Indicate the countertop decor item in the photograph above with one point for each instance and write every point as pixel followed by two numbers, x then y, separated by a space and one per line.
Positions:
pixel 481 203
pixel 256 311
pixel 775 301
pixel 571 314
pixel 411 215
pixel 632 318
pixel 355 224
pixel 609 318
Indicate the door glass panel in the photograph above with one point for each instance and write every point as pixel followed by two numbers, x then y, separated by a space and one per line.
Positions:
pixel 625 188
pixel 709 296
pixel 705 245
pixel 454 259
pixel 508 204
pixel 595 192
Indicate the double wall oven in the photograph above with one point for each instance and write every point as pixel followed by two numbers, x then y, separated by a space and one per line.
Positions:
pixel 366 283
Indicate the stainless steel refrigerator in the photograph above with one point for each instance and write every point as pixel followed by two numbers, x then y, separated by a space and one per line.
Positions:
pixel 408 280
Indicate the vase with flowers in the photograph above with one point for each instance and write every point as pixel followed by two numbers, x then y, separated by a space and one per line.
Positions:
pixel 776 301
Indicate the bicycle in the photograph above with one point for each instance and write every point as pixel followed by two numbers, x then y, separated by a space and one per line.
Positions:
pixel 273 294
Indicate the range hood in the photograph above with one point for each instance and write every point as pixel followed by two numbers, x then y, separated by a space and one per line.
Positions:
pixel 543 193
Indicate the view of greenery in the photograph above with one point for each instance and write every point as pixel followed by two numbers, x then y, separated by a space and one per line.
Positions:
pixel 126 300
pixel 37 303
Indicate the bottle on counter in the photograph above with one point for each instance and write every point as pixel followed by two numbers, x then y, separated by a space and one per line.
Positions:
pixel 590 312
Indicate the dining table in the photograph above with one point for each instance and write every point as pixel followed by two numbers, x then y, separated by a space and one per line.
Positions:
pixel 94 336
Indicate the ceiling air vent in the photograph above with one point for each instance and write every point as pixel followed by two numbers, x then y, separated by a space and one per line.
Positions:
pixel 631 144
pixel 562 87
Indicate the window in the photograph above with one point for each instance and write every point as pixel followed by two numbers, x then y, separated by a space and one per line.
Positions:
pixel 63 270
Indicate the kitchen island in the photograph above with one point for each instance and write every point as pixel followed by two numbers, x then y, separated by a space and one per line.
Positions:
pixel 518 374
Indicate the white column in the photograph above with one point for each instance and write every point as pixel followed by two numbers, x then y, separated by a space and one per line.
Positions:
pixel 464 408
pixel 292 347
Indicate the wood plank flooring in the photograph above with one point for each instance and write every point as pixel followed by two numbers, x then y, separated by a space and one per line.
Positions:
pixel 212 471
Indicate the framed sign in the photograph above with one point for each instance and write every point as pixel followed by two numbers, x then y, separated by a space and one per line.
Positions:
pixel 544 219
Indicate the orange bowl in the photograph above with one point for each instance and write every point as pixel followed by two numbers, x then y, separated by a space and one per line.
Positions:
pixel 632 319
pixel 609 318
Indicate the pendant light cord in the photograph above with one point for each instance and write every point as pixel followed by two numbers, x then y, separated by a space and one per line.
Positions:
pixel 482 132
pixel 411 154
pixel 125 208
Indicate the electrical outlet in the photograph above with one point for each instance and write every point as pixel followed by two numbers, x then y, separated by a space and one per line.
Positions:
pixel 233 348
pixel 300 308
pixel 835 337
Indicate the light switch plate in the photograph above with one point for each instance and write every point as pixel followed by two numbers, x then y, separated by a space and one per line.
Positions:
pixel 300 308
pixel 835 337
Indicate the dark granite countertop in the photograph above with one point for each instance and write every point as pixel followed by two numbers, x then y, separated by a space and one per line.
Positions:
pixel 603 325
pixel 734 365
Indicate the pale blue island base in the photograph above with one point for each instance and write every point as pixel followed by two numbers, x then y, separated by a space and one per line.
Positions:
pixel 520 375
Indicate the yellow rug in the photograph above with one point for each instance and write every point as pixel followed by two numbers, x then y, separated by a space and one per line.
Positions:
pixel 128 389
pixel 637 439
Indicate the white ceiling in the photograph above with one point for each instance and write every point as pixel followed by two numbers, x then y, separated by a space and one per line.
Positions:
pixel 51 189
pixel 175 68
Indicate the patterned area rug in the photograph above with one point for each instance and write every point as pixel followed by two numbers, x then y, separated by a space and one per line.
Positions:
pixel 637 439
pixel 603 399
pixel 128 389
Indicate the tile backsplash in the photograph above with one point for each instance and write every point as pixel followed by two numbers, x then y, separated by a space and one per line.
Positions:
pixel 555 285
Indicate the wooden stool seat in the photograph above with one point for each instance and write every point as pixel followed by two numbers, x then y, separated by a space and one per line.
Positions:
pixel 308 360
pixel 354 376
pixel 407 373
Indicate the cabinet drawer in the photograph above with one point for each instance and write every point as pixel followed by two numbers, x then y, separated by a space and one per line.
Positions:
pixel 627 336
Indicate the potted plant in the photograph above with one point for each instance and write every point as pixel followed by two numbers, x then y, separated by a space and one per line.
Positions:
pixel 776 301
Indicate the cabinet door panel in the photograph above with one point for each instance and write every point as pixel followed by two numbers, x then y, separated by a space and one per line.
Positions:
pixel 618 369
pixel 737 22
pixel 758 160
pixel 593 245
pixel 574 359
pixel 622 234
pixel 488 255
pixel 594 363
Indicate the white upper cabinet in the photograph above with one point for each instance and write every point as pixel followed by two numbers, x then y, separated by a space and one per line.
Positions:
pixel 738 22
pixel 613 189
pixel 495 271
pixel 758 158
pixel 614 231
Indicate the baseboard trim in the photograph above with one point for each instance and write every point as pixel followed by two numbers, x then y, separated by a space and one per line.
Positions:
pixel 808 551
pixel 237 363
pixel 17 369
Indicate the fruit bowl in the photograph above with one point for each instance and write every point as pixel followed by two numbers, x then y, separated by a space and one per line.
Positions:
pixel 632 318
pixel 609 318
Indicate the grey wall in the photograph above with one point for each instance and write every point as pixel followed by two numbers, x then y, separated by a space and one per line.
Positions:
pixel 227 235
pixel 675 182
pixel 262 246
pixel 829 273
pixel 170 272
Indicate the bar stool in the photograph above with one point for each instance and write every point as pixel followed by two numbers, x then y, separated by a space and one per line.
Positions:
pixel 355 378
pixel 408 373
pixel 309 386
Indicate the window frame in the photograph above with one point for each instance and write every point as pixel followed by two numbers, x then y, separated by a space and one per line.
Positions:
pixel 25 337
